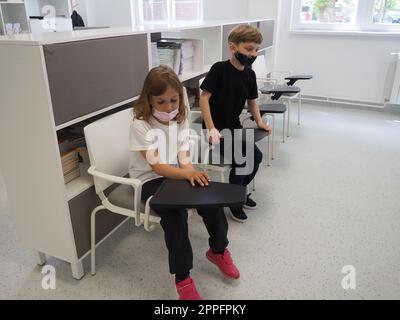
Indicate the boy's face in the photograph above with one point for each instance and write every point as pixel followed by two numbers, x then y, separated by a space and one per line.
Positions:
pixel 249 49
pixel 167 102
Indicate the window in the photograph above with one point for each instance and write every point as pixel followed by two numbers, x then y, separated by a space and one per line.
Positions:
pixel 187 10
pixel 387 12
pixel 327 11
pixel 169 11
pixel 348 15
pixel 155 11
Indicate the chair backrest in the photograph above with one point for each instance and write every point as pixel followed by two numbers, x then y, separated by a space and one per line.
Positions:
pixel 187 104
pixel 108 144
pixel 260 67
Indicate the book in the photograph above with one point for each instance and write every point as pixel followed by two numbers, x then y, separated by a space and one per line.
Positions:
pixel 83 154
pixel 69 166
pixel 72 175
pixel 69 156
pixel 155 59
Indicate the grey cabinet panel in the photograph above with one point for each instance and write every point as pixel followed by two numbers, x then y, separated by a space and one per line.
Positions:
pixel 226 53
pixel 267 30
pixel 80 209
pixel 87 76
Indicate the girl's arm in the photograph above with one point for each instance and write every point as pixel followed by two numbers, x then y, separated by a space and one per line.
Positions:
pixel 188 172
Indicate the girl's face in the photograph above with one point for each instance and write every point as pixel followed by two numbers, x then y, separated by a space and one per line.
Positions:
pixel 167 102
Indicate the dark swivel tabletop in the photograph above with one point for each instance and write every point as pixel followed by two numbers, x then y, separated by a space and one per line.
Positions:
pixel 245 135
pixel 278 90
pixel 293 79
pixel 181 194
pixel 259 134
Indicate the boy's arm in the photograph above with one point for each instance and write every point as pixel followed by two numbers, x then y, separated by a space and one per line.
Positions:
pixel 255 112
pixel 205 109
pixel 213 133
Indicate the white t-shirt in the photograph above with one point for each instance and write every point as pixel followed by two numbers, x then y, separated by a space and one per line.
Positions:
pixel 153 135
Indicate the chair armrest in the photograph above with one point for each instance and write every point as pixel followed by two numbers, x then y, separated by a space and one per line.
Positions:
pixel 120 180
pixel 282 72
pixel 267 80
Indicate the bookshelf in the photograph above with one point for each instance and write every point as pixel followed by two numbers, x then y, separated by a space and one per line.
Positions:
pixel 57 80
pixel 49 15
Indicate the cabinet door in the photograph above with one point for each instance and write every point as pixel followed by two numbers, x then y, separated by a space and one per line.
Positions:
pixel 88 76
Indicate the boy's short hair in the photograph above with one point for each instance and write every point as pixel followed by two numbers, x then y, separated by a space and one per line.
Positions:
pixel 245 33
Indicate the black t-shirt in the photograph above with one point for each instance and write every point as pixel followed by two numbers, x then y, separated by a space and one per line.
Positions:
pixel 229 88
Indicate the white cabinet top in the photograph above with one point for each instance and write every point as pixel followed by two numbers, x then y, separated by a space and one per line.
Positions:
pixel 79 35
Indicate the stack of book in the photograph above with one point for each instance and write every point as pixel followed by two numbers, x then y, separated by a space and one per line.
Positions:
pixel 83 155
pixel 187 56
pixel 70 165
pixel 169 53
pixel 155 58
pixel 175 53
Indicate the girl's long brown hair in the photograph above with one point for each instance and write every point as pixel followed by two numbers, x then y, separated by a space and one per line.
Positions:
pixel 155 84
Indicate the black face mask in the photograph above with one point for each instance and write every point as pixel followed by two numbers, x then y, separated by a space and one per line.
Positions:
pixel 244 60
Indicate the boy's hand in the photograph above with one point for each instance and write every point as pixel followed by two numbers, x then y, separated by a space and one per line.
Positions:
pixel 214 136
pixel 265 127
pixel 201 178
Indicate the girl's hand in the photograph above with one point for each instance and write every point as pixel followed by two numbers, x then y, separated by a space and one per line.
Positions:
pixel 201 178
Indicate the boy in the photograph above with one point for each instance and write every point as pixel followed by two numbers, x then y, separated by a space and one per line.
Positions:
pixel 226 88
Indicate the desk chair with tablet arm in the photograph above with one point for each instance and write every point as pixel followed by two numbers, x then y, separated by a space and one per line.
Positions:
pixel 108 145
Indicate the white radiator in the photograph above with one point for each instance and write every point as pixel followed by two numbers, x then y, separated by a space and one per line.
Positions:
pixel 395 96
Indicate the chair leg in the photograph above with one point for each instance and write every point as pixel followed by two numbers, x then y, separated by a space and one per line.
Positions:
pixel 288 117
pixel 273 138
pixel 93 238
pixel 147 225
pixel 299 110
pixel 268 153
pixel 284 120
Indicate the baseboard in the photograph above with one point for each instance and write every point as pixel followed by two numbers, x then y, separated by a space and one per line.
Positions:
pixel 343 103
pixel 392 108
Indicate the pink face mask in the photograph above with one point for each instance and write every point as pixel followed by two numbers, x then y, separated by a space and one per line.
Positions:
pixel 165 116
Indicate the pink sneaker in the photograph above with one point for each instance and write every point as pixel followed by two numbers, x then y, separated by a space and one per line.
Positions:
pixel 224 263
pixel 187 290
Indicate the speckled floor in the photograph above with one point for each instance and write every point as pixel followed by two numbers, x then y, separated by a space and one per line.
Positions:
pixel 330 199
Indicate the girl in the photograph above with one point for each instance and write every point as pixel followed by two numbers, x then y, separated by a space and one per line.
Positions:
pixel 159 109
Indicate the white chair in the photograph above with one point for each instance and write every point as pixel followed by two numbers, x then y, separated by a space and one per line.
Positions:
pixel 265 76
pixel 108 145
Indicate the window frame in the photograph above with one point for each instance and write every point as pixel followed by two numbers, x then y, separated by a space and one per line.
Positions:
pixel 363 22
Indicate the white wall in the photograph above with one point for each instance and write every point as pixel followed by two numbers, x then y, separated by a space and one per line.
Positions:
pixel 224 9
pixel 354 67
pixel 82 11
pixel 262 9
pixel 117 13
pixel 32 7
pixel 101 13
